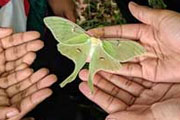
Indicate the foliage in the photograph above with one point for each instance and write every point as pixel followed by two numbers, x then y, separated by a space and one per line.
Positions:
pixel 157 3
pixel 97 13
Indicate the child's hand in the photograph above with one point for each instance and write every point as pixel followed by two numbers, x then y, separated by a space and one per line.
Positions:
pixel 64 8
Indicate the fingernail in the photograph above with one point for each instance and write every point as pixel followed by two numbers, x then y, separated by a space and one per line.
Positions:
pixel 12 114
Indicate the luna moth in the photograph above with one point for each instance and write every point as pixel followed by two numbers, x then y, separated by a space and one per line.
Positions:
pixel 77 45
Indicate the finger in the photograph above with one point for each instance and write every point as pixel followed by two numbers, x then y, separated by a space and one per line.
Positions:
pixel 131 70
pixel 143 82
pixel 148 15
pixel 35 77
pixel 21 67
pixel 27 59
pixel 19 38
pixel 108 87
pixel 2 92
pixel 129 31
pixel 145 70
pixel 18 68
pixel 17 52
pixel 44 83
pixel 4 32
pixel 107 102
pixel 8 112
pixel 4 101
pixel 70 15
pixel 31 101
pixel 15 77
pixel 123 83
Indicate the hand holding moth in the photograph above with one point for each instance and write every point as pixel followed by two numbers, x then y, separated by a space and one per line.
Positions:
pixel 159 34
pixel 78 46
pixel 126 98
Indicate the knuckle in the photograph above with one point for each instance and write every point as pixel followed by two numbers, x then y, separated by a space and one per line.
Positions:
pixel 11 39
pixel 131 100
pixel 114 91
pixel 5 82
pixel 23 94
pixel 109 103
pixel 18 87
pixel 128 83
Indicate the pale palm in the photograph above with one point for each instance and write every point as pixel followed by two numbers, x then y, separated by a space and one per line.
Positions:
pixel 133 98
pixel 24 89
pixel 21 89
pixel 160 35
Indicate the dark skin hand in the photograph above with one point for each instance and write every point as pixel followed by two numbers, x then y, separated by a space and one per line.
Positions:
pixel 146 88
pixel 64 8
pixel 159 34
pixel 21 89
pixel 126 98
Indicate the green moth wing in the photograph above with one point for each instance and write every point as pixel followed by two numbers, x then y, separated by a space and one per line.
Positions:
pixel 64 30
pixel 123 50
pixel 75 44
pixel 101 61
pixel 78 54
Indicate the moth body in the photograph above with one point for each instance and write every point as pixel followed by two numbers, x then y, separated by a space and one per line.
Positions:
pixel 94 43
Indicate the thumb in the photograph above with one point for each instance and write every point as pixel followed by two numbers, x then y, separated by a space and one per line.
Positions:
pixel 147 15
pixel 130 115
pixel 8 112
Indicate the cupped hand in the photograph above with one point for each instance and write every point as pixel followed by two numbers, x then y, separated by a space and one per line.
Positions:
pixel 64 8
pixel 133 98
pixel 17 49
pixel 159 33
pixel 21 89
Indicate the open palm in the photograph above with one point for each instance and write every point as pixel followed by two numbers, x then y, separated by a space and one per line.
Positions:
pixel 159 34
pixel 133 98
pixel 21 89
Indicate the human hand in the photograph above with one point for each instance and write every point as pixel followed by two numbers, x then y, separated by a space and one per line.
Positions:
pixel 159 33
pixel 20 88
pixel 17 49
pixel 133 98
pixel 64 8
